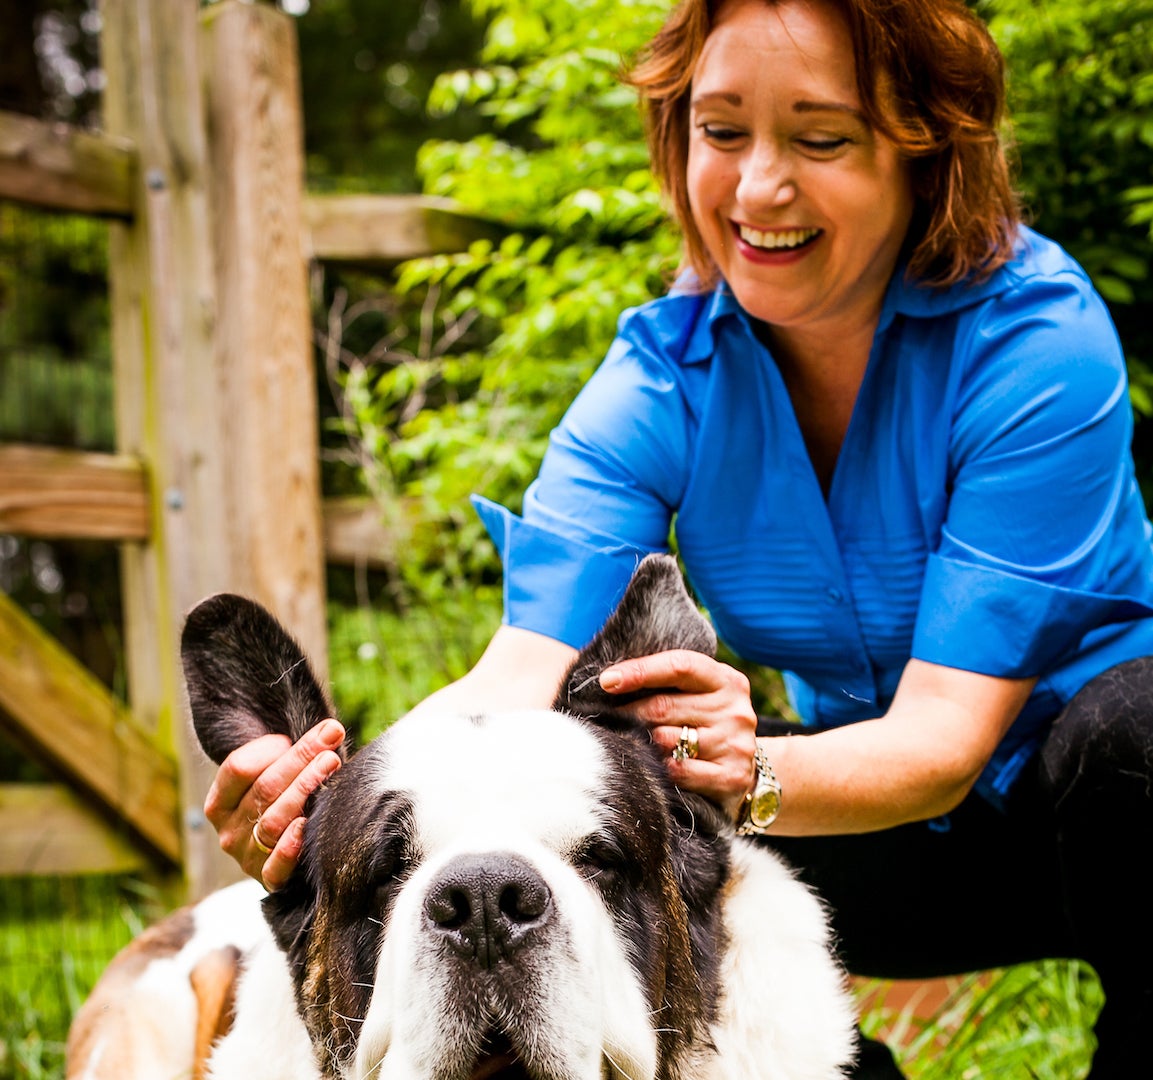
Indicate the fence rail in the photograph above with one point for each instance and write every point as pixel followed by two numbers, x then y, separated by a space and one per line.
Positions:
pixel 61 168
pixel 57 494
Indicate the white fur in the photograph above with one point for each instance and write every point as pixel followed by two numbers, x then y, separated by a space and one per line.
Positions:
pixel 488 795
pixel 268 1041
pixel 145 1030
pixel 787 1011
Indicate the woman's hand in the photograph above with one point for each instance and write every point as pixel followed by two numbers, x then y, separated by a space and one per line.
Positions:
pixel 258 798
pixel 690 689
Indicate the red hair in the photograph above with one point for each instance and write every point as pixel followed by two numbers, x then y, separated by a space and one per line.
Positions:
pixel 930 79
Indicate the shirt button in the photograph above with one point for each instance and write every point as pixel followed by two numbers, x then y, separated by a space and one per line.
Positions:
pixel 834 596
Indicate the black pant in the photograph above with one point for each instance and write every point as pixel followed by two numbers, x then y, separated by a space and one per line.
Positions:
pixel 1062 873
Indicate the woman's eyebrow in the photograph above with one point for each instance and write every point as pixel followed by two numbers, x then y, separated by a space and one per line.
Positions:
pixel 717 95
pixel 828 106
pixel 803 106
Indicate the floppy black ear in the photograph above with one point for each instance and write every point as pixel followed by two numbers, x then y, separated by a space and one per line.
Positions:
pixel 246 676
pixel 655 614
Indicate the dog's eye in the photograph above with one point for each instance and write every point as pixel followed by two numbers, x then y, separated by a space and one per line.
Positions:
pixel 600 860
pixel 390 866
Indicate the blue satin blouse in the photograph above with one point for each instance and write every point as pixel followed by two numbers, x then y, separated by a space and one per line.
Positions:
pixel 983 514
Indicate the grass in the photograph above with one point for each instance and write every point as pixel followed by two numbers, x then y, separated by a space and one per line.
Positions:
pixel 56 936
pixel 1031 1021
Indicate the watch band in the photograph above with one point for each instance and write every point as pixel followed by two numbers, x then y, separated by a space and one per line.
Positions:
pixel 763 803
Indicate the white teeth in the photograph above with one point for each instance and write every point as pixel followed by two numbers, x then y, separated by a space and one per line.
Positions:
pixel 777 241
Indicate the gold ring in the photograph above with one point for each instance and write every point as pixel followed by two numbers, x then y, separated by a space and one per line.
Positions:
pixel 688 745
pixel 261 845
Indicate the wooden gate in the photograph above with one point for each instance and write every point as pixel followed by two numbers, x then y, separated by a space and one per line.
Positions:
pixel 214 485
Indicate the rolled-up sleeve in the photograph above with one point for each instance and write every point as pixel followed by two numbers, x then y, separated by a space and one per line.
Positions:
pixel 557 583
pixel 997 623
pixel 1044 538
pixel 612 475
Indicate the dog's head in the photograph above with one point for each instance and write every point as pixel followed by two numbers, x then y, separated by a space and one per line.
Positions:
pixel 508 894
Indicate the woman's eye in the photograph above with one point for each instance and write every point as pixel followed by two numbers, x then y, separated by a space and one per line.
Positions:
pixel 718 133
pixel 823 146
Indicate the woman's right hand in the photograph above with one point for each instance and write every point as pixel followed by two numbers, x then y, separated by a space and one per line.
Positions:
pixel 259 794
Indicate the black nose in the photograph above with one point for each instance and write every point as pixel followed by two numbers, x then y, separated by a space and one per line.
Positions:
pixel 486 906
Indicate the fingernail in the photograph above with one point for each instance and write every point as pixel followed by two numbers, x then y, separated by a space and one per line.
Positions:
pixel 610 679
pixel 331 733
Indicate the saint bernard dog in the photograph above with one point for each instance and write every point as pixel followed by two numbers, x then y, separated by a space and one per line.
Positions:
pixel 498 896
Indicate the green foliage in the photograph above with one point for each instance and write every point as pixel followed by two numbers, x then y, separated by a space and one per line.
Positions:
pixel 1081 98
pixel 384 661
pixel 507 333
pixel 366 69
pixel 55 353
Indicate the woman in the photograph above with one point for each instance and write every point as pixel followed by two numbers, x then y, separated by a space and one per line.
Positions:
pixel 891 428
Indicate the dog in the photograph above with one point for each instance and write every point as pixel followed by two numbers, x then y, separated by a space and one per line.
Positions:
pixel 515 895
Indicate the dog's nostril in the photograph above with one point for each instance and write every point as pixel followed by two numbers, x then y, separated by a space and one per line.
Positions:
pixel 485 906
pixel 522 902
pixel 450 909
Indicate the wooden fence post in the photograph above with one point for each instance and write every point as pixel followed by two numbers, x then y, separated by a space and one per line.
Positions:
pixel 163 295
pixel 212 344
pixel 264 322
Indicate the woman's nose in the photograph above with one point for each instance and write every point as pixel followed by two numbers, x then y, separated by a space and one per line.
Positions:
pixel 765 180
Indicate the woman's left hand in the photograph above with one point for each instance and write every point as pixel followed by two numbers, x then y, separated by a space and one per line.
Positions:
pixel 692 690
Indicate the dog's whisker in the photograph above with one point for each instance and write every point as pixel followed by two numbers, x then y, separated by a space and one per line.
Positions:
pixel 288 671
pixel 617 1068
pixel 584 684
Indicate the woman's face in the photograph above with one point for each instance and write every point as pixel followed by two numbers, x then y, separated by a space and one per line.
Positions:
pixel 801 204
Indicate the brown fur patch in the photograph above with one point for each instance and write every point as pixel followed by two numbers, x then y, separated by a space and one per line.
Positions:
pixel 214 984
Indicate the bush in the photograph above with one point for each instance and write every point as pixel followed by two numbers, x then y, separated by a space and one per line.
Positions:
pixel 1081 97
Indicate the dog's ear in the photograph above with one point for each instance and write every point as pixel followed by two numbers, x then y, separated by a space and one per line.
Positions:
pixel 655 614
pixel 246 676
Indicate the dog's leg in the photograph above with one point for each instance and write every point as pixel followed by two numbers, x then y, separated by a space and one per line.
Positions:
pixel 267 1040
pixel 138 1022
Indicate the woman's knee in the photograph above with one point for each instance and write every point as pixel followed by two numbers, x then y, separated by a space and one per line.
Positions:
pixel 1102 743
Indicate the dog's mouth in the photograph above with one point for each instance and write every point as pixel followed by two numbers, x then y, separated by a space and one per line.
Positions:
pixel 498 1059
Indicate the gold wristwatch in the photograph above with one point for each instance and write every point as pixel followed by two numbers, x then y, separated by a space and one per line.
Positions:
pixel 763 803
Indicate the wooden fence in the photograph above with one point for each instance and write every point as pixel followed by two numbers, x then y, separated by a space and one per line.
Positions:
pixel 215 481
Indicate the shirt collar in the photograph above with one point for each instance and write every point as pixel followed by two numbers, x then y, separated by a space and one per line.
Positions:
pixel 903 297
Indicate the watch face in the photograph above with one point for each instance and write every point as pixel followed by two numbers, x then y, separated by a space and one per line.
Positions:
pixel 765 806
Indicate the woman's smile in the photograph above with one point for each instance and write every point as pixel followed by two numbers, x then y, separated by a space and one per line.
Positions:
pixel 774 244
